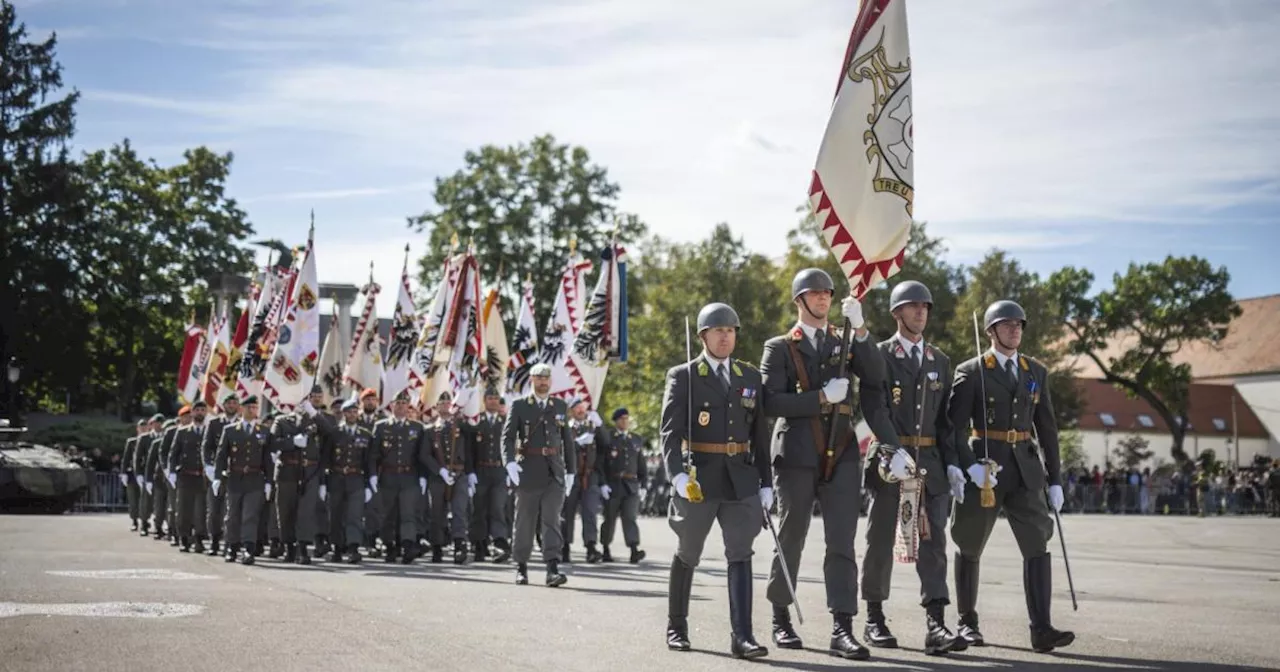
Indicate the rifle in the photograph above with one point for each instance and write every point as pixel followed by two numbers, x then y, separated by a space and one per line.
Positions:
pixel 835 452
pixel 988 500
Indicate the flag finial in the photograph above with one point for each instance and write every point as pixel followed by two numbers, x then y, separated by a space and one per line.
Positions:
pixel 453 242
pixel 406 255
pixel 371 272
pixel 573 244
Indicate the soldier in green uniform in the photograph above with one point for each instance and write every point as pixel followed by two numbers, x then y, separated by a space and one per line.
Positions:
pixel 216 502
pixel 140 475
pixel 450 467
pixel 157 481
pixel 369 416
pixel 918 390
pixel 128 475
pixel 1004 397
pixel 243 461
pixel 399 448
pixel 625 479
pixel 489 516
pixel 186 470
pixel 583 499
pixel 715 441
pixel 806 393
pixel 298 439
pixel 351 463
pixel 538 446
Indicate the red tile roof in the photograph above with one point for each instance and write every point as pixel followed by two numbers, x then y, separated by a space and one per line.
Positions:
pixel 1208 402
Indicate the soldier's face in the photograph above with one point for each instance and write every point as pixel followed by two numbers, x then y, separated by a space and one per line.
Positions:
pixel 400 409
pixel 197 415
pixel 350 415
pixel 579 411
pixel 249 411
pixel 492 404
pixel 913 316
pixel 442 407
pixel 231 407
pixel 1008 333
pixel 720 341
pixel 184 420
pixel 370 405
pixel 317 400
pixel 541 385
pixel 623 423
pixel 413 413
pixel 819 302
pixel 153 427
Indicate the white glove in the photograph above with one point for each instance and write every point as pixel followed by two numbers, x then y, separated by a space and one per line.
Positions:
pixel 604 492
pixel 446 476
pixel 766 498
pixel 172 478
pixel 208 472
pixel 978 474
pixel 324 492
pixel 1055 497
pixel 266 489
pixel 275 457
pixel 368 495
pixel 308 408
pixel 217 484
pixel 139 480
pixel 422 484
pixel 956 477
pixel 568 483
pixel 373 483
pixel 585 439
pixel 898 465
pixel 150 485
pixel 679 483
pixel 851 308
pixel 513 473
pixel 471 490
pixel 300 440
pixel 595 419
pixel 643 492
pixel 124 480
pixel 472 481
pixel 836 390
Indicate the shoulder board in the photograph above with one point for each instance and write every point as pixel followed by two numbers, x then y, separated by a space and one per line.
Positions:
pixel 1026 360
pixel 746 366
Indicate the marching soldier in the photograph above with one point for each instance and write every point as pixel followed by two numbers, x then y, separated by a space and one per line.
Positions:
pixel 538 446
pixel 584 494
pixel 489 518
pixel 398 444
pixel 349 469
pixel 625 479
pixel 243 461
pixel 368 417
pixel 1004 396
pixel 448 458
pixel 186 476
pixel 301 465
pixel 141 477
pixel 157 482
pixel 918 388
pixel 216 502
pixel 807 394
pixel 128 475
pixel 723 457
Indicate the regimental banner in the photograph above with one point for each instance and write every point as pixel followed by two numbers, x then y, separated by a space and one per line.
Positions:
pixel 294 364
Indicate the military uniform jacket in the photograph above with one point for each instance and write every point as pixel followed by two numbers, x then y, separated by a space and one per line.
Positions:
pixel 1013 407
pixel 623 464
pixel 486 444
pixel 587 466
pixel 540 440
pixel 308 462
pixel 369 420
pixel 209 446
pixel 243 451
pixel 399 447
pixel 184 456
pixel 449 447
pixel 126 459
pixel 350 449
pixel 719 417
pixel 141 447
pixel 158 453
pixel 918 398
pixel 794 444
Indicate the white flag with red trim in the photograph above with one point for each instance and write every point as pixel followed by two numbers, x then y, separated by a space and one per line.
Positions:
pixel 862 189
pixel 295 361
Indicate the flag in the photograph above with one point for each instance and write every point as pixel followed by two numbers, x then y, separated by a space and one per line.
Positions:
pixel 253 362
pixel 364 362
pixel 495 341
pixel 524 345
pixel 397 373
pixel 193 387
pixel 602 334
pixel 230 383
pixel 562 327
pixel 190 349
pixel 294 365
pixel 219 359
pixel 330 375
pixel 862 188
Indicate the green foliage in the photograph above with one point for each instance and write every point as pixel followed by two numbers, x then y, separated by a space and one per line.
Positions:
pixel 1156 308
pixel 1071 450
pixel 106 434
pixel 1132 451
pixel 1208 462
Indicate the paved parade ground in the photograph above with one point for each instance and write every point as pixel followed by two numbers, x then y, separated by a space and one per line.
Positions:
pixel 1155 593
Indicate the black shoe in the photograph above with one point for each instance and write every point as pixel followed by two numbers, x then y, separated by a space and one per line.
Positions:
pixel 593 555
pixel 304 557
pixel 843 645
pixel 459 552
pixel 877 632
pixel 966 574
pixel 390 554
pixel 184 546
pixel 742 643
pixel 564 554
pixel 1037 582
pixel 504 551
pixel 554 578
pixel 322 547
pixel 158 535
pixel 214 548
pixel 275 550
pixel 231 553
pixel 412 551
pixel 290 553
pixel 636 554
pixel 938 640
pixel 249 555
pixel 134 526
pixel 481 550
pixel 606 556
pixel 437 554
pixel 146 529
pixel 784 635
pixel 522 574
pixel 353 554
pixel 679 588
pixel 199 546
pixel 174 541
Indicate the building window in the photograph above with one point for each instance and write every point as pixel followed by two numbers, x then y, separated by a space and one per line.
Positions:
pixel 1107 419
pixel 1146 421
pixel 1177 420
pixel 1220 424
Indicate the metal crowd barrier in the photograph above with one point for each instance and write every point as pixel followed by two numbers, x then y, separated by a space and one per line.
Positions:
pixel 105 493
pixel 1166 499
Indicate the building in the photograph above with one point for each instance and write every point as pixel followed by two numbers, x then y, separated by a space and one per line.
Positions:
pixel 1234 403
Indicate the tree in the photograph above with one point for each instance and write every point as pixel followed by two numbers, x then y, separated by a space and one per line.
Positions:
pixel 1149 314
pixel 41 235
pixel 521 206
pixel 1132 451
pixel 1071 451
pixel 996 277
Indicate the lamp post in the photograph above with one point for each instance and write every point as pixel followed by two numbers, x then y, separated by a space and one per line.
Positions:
pixel 14 373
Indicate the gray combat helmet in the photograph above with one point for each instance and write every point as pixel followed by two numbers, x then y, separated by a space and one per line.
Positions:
pixel 909 291
pixel 1001 311
pixel 811 280
pixel 715 315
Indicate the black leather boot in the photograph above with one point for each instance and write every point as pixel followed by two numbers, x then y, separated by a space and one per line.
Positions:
pixel 504 551
pixel 304 556
pixel 199 547
pixel 411 550
pixel 134 526
pixel 232 551
pixel 784 634
pixel 606 556
pixel 146 528
pixel 636 554
pixel 390 553
pixel 843 645
pixel 877 631
pixel 275 549
pixel 184 545
pixel 966 573
pixel 215 547
pixel 564 554
pixel 459 552
pixel 249 557
pixel 742 643
pixel 437 554
pixel 554 578
pixel 1037 583
pixel 522 574
pixel 353 554
pixel 322 546
pixel 938 639
pixel 679 587
pixel 481 550
pixel 593 554
pixel 290 552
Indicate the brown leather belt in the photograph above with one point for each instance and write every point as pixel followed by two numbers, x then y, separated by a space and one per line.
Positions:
pixel 720 448
pixel 917 441
pixel 396 470
pixel 490 463
pixel 841 409
pixel 626 475
pixel 290 460
pixel 1004 435
pixel 350 471
pixel 545 452
pixel 191 472
pixel 309 463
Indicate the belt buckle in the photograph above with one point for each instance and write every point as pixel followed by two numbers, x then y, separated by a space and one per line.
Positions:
pixel 1011 437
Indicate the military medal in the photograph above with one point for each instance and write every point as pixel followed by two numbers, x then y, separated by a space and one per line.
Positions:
pixel 748 397
pixel 897 393
pixel 704 418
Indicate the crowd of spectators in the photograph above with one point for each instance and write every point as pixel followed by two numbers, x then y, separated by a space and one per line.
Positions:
pixel 1195 491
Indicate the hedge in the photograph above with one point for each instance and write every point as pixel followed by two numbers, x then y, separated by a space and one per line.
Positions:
pixel 108 435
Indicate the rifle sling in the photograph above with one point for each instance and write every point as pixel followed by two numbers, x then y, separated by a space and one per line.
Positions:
pixel 819 437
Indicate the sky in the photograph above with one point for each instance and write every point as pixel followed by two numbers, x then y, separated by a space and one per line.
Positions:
pixel 1093 133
